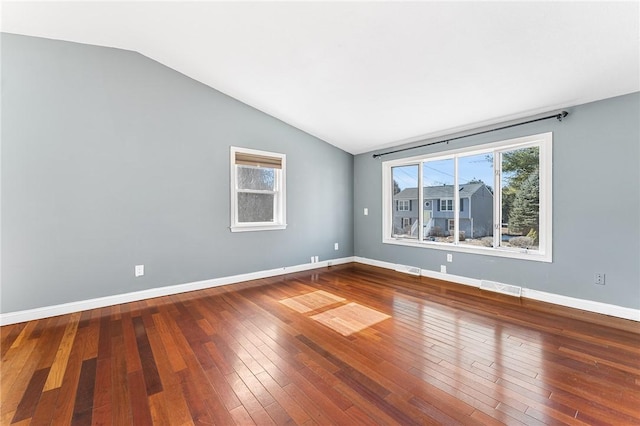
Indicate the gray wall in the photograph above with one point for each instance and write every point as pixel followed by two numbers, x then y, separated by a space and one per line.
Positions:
pixel 596 155
pixel 110 159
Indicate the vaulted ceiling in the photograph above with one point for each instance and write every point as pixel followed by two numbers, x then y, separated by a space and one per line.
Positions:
pixel 368 75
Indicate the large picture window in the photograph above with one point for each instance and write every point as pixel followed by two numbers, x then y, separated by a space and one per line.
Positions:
pixel 490 199
pixel 257 190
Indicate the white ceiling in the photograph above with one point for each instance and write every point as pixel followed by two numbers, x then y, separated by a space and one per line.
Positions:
pixel 367 75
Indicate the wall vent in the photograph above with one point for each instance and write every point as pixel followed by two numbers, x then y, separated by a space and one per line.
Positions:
pixel 511 290
pixel 411 270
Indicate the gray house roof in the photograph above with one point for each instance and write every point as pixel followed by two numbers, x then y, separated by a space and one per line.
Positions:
pixel 443 191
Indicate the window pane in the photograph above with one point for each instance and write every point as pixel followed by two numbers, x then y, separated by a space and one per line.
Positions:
pixel 255 207
pixel 438 199
pixel 259 178
pixel 475 177
pixel 521 198
pixel 405 201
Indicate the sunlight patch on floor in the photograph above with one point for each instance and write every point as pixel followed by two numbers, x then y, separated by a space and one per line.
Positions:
pixel 350 318
pixel 311 301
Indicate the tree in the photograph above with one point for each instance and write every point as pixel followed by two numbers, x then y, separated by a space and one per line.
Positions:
pixel 396 187
pixel 525 211
pixel 508 195
pixel 519 164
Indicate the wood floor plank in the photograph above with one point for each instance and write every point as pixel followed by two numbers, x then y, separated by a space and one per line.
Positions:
pixel 102 390
pixel 446 354
pixel 293 409
pixel 17 370
pixel 10 333
pixel 45 408
pixel 120 400
pixel 149 366
pixel 84 396
pixel 63 412
pixel 140 410
pixel 56 373
pixel 218 382
pixel 248 399
pixel 31 396
pixel 241 416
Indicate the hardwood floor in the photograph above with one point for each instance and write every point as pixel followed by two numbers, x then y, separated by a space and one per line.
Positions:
pixel 429 353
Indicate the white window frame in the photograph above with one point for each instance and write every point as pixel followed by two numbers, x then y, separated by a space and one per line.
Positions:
pixel 445 202
pixel 404 205
pixel 543 141
pixel 279 192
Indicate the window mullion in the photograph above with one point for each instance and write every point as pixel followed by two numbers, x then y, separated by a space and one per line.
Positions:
pixel 456 202
pixel 497 199
pixel 420 204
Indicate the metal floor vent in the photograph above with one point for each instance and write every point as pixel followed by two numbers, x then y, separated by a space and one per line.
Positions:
pixel 511 290
pixel 412 270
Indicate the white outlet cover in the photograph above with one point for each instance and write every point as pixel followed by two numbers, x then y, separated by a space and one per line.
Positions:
pixel 449 257
pixel 139 270
pixel 335 246
pixel 366 211
pixel 443 269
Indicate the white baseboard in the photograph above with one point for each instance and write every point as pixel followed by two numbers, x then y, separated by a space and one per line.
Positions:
pixel 100 302
pixel 556 299
pixel 585 305
pixel 66 308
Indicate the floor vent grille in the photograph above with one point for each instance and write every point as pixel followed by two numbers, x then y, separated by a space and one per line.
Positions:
pixel 511 290
pixel 412 270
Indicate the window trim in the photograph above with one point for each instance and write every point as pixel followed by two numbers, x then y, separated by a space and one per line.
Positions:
pixel 279 209
pixel 545 143
pixel 446 201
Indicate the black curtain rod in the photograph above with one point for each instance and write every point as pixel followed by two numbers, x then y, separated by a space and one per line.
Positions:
pixel 558 116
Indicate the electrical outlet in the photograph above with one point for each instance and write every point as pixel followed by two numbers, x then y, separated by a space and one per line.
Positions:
pixel 366 211
pixel 443 269
pixel 598 279
pixel 449 257
pixel 139 270
pixel 315 259
pixel 335 246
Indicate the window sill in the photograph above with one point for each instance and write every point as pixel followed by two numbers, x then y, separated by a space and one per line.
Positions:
pixel 249 228
pixel 486 251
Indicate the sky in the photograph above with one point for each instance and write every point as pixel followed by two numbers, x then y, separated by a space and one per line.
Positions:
pixel 440 172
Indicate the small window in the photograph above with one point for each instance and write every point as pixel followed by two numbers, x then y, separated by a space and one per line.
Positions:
pixel 406 222
pixel 403 206
pixel 452 225
pixel 446 205
pixel 257 190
